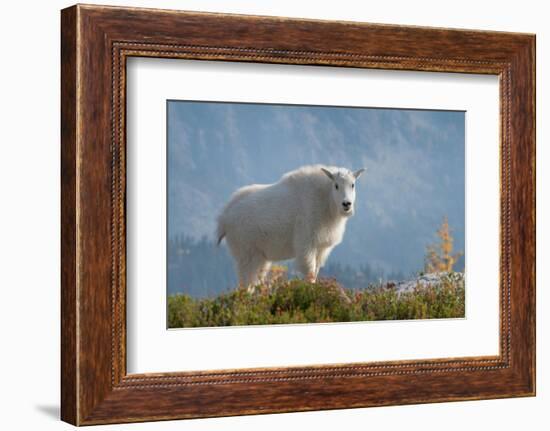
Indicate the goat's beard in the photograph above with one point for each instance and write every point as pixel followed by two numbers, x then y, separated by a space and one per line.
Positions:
pixel 347 213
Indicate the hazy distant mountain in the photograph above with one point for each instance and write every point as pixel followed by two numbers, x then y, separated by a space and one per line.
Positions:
pixel 414 160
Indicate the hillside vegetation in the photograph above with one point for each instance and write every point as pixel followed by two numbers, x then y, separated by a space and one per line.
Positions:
pixel 297 301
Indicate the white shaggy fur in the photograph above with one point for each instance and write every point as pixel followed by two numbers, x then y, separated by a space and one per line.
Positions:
pixel 302 216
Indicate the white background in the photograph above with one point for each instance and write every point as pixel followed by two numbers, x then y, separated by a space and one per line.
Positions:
pixel 151 348
pixel 29 216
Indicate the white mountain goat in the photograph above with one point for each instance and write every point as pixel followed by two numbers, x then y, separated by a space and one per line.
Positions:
pixel 302 216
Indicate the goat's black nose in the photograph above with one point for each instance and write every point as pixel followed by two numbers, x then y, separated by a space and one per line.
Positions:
pixel 346 204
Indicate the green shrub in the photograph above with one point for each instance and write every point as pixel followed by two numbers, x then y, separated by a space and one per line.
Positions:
pixel 298 301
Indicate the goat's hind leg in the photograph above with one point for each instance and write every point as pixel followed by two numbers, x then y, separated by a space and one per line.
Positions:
pixel 264 271
pixel 250 270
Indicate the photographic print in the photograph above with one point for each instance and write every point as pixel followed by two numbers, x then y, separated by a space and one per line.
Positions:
pixel 287 214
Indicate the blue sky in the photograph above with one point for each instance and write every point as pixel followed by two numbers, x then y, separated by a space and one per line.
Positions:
pixel 414 161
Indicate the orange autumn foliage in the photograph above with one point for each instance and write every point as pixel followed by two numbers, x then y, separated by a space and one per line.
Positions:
pixel 439 256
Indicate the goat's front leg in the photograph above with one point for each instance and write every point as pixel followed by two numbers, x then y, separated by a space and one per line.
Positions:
pixel 306 263
pixel 321 258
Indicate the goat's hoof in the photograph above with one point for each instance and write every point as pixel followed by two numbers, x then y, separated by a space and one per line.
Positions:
pixel 311 278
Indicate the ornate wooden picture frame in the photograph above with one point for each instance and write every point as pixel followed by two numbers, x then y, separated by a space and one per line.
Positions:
pixel 96 41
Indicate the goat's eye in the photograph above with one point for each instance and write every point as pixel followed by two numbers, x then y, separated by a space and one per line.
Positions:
pixel 353 186
pixel 336 185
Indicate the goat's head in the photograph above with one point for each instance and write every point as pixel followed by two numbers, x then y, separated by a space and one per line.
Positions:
pixel 343 189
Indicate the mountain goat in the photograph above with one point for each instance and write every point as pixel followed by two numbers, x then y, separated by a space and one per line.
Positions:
pixel 302 216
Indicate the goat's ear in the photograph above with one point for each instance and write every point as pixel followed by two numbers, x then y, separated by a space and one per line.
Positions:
pixel 328 173
pixel 358 173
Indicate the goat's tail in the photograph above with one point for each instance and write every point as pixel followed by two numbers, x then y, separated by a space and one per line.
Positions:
pixel 220 231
